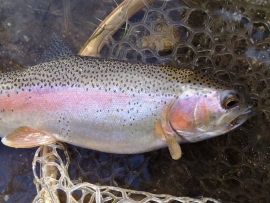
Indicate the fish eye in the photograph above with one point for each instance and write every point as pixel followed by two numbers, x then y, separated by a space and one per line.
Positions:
pixel 230 102
pixel 229 99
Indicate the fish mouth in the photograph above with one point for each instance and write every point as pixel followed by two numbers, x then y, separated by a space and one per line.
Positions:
pixel 241 118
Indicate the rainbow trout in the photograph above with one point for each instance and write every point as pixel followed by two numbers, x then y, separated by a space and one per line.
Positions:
pixel 115 106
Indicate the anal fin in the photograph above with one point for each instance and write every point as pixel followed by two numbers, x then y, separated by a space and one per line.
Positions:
pixel 25 137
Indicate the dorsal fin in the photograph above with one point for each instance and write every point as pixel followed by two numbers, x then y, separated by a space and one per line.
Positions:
pixel 57 49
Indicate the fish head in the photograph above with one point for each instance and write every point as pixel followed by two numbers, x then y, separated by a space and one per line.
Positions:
pixel 202 113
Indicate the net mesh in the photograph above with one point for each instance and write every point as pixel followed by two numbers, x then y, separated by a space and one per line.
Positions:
pixel 227 39
pixel 55 185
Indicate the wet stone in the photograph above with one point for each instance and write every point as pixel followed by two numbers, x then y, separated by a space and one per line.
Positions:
pixel 177 15
pixel 202 41
pixel 209 154
pixel 180 33
pixel 240 47
pixel 219 194
pixel 185 55
pixel 252 156
pixel 232 184
pixel 221 170
pixel 242 172
pixel 239 139
pixel 220 142
pixel 223 60
pixel 232 156
pixel 201 19
pixel 252 187
pixel 211 183
pixel 201 169
pixel 241 198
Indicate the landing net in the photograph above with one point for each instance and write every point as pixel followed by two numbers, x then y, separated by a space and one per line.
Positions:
pixel 227 39
pixel 54 184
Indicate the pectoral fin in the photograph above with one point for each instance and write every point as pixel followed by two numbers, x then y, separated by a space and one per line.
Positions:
pixel 165 132
pixel 167 135
pixel 174 147
pixel 25 137
pixel 159 130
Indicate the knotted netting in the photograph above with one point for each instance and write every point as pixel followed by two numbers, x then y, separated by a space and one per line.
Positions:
pixel 227 39
pixel 50 167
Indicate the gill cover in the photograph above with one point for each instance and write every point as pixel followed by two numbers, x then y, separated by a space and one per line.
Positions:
pixel 204 113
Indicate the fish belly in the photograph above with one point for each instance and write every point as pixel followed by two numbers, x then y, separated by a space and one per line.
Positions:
pixel 92 118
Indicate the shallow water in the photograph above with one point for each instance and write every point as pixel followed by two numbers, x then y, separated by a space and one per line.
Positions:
pixel 232 167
